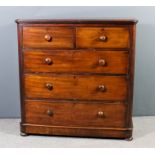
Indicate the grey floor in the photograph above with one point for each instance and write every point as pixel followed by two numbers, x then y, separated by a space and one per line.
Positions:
pixel 144 136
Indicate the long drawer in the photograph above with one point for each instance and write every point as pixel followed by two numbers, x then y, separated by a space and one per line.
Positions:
pixel 83 114
pixel 82 87
pixel 91 61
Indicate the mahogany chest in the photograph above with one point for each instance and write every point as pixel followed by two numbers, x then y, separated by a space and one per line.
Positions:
pixel 76 77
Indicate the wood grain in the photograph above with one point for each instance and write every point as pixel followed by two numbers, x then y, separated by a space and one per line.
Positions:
pixel 75 114
pixel 76 87
pixel 71 95
pixel 117 37
pixel 100 132
pixel 69 61
pixel 34 37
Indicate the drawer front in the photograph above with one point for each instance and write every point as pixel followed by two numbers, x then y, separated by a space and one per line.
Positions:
pixel 106 37
pixel 75 114
pixel 47 37
pixel 76 61
pixel 76 87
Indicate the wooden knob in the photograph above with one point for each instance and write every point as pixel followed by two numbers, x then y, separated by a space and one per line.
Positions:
pixel 49 86
pixel 103 38
pixel 48 37
pixel 101 114
pixel 101 88
pixel 49 112
pixel 48 61
pixel 102 62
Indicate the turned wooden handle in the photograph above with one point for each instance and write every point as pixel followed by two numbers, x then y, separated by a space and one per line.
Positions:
pixel 103 38
pixel 101 88
pixel 48 61
pixel 102 62
pixel 101 114
pixel 49 86
pixel 48 37
pixel 49 112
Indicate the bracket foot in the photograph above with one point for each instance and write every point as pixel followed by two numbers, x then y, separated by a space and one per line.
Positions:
pixel 23 134
pixel 129 139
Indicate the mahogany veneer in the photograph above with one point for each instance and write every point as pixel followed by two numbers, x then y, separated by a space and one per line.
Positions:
pixel 76 77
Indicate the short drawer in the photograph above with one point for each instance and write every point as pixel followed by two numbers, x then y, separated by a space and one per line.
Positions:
pixel 75 114
pixel 80 87
pixel 102 37
pixel 76 61
pixel 47 37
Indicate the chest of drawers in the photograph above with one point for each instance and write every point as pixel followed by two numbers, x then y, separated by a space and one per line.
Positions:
pixel 76 77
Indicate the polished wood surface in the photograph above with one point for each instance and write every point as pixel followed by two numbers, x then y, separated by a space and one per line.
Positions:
pixel 104 37
pixel 77 77
pixel 75 114
pixel 77 21
pixel 47 37
pixel 100 132
pixel 115 62
pixel 76 87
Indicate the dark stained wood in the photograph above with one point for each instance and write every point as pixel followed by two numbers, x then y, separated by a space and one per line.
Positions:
pixel 73 73
pixel 92 37
pixel 20 61
pixel 76 87
pixel 75 114
pixel 131 75
pixel 77 21
pixel 47 37
pixel 77 131
pixel 76 61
